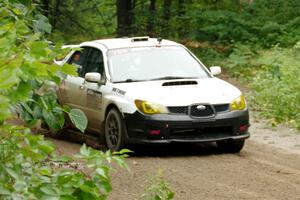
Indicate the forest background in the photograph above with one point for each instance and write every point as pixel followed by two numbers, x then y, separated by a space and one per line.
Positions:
pixel 255 41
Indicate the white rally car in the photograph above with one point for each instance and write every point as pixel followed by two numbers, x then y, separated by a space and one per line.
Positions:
pixel 148 90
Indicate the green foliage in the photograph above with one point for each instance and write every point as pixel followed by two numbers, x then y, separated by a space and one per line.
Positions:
pixel 29 169
pixel 277 86
pixel 263 22
pixel 77 21
pixel 43 106
pixel 25 58
pixel 28 165
pixel 266 22
pixel 26 63
pixel 274 76
pixel 158 190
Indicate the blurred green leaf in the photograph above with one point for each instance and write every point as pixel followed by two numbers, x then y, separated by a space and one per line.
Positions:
pixel 79 119
pixel 41 24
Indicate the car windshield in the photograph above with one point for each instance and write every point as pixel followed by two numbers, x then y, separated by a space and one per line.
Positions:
pixel 153 63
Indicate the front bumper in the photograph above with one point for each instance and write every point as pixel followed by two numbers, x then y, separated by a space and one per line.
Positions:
pixel 167 128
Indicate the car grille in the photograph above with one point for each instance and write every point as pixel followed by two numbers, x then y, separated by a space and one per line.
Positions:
pixel 207 111
pixel 179 110
pixel 183 110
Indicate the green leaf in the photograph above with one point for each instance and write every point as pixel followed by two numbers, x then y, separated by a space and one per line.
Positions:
pixel 45 171
pixel 4 107
pixel 67 197
pixel 102 172
pixel 47 148
pixel 27 108
pixel 120 161
pixel 12 173
pixel 38 50
pixel 22 28
pixel 52 121
pixel 123 151
pixel 37 112
pixel 21 93
pixel 61 159
pixel 47 189
pixel 69 69
pixel 79 119
pixel 8 79
pixel 84 150
pixel 106 186
pixel 4 191
pixel 41 24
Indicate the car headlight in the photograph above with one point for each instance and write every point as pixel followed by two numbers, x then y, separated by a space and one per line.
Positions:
pixel 238 103
pixel 150 108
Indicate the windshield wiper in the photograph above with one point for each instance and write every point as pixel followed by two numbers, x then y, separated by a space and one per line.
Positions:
pixel 172 78
pixel 129 80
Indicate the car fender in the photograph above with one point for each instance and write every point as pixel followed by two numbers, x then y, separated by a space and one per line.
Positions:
pixel 123 103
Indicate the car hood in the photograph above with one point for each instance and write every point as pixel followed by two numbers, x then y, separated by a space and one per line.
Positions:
pixel 207 90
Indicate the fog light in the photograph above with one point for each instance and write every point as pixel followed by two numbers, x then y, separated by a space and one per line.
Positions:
pixel 243 128
pixel 154 132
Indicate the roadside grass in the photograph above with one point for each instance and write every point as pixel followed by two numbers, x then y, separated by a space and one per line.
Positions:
pixel 272 75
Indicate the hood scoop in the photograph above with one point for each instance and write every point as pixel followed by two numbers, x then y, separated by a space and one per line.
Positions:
pixel 175 83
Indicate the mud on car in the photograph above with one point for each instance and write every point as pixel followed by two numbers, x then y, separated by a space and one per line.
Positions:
pixel 149 90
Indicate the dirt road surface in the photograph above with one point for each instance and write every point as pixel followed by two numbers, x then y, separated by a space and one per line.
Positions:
pixel 267 168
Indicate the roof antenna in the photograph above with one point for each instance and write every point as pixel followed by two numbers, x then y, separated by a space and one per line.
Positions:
pixel 159 40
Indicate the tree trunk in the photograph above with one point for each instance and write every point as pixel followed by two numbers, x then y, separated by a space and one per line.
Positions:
pixel 166 17
pixel 151 19
pixel 167 10
pixel 56 13
pixel 45 7
pixel 180 14
pixel 124 17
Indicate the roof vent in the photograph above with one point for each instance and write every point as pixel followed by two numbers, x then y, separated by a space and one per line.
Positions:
pixel 175 83
pixel 140 39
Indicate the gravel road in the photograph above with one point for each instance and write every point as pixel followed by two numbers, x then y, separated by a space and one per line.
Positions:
pixel 267 168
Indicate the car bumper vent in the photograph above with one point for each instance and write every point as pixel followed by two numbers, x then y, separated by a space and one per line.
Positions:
pixel 221 107
pixel 178 110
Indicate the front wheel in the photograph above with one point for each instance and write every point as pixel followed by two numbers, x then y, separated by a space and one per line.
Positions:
pixel 115 130
pixel 231 146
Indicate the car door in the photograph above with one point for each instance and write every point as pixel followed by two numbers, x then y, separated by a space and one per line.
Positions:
pixel 72 91
pixel 93 107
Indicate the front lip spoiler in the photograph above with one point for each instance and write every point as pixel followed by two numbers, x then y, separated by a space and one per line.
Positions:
pixel 167 141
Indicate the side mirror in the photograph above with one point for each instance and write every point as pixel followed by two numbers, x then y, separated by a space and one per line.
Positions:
pixel 93 77
pixel 58 62
pixel 215 70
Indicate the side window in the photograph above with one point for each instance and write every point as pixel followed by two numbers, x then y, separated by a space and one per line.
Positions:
pixel 94 62
pixel 79 60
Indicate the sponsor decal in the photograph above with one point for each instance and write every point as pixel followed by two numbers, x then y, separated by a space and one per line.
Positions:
pixel 118 91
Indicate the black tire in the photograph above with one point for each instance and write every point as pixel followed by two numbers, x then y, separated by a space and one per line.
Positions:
pixel 115 130
pixel 231 146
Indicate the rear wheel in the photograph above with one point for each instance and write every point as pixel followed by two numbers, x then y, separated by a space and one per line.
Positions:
pixel 115 130
pixel 231 146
